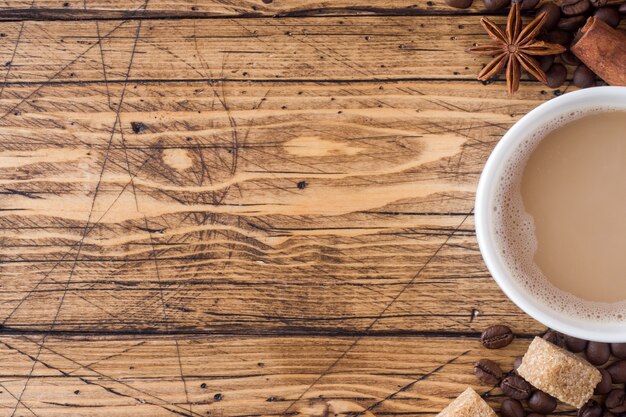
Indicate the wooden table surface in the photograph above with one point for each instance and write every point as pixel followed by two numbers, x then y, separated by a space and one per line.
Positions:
pixel 245 208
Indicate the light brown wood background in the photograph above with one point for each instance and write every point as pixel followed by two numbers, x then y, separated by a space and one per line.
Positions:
pixel 291 233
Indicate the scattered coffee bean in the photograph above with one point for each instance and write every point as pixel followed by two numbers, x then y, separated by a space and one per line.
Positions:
pixel 559 36
pixel 597 353
pixel 488 371
pixel 553 13
pixel 598 3
pixel 541 402
pixel 556 75
pixel 526 4
pixel 571 23
pixel 569 58
pixel 590 409
pixel 459 4
pixel 608 15
pixel 545 62
pixel 583 78
pixel 516 387
pixel 574 7
pixel 574 344
pixel 535 415
pixel 617 371
pixel 622 8
pixel 496 4
pixel 615 401
pixel 619 349
pixel 511 408
pixel 555 338
pixel 496 337
pixel 605 384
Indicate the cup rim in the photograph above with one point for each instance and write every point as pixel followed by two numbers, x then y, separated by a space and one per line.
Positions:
pixel 533 119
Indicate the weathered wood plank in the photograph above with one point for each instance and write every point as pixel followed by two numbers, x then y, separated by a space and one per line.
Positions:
pixel 248 208
pixel 334 48
pixel 199 376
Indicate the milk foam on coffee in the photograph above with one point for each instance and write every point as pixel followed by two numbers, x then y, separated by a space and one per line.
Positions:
pixel 560 214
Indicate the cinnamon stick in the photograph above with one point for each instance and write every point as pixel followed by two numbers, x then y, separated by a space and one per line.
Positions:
pixel 603 50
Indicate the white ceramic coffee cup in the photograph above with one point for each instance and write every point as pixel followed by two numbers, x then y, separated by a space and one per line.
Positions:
pixel 597 330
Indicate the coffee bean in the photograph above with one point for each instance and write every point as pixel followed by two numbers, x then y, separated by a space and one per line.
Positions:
pixel 496 4
pixel 569 58
pixel 488 371
pixel 517 363
pixel 559 36
pixel 583 77
pixel 590 409
pixel 535 415
pixel 545 62
pixel 598 3
pixel 556 75
pixel 619 349
pixel 572 23
pixel 459 4
pixel 622 8
pixel 553 12
pixel 574 7
pixel 574 344
pixel 615 401
pixel 605 384
pixel 597 352
pixel 516 387
pixel 496 337
pixel 541 402
pixel 511 408
pixel 608 414
pixel 526 4
pixel 617 371
pixel 555 338
pixel 608 15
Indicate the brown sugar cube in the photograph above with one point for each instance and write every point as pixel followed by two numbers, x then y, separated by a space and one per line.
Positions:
pixel 468 404
pixel 559 373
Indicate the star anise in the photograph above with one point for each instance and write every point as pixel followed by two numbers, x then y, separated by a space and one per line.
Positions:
pixel 514 48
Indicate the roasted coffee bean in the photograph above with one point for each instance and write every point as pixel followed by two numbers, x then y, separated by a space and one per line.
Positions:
pixel 608 414
pixel 571 23
pixel 535 415
pixel 517 363
pixel 569 58
pixel 496 4
pixel 622 8
pixel 619 349
pixel 559 36
pixel 597 352
pixel 553 13
pixel 556 75
pixel 496 337
pixel 605 384
pixel 459 4
pixel 555 338
pixel 590 409
pixel 572 343
pixel 615 401
pixel 511 408
pixel 574 7
pixel 526 4
pixel 617 371
pixel 598 3
pixel 545 62
pixel 541 402
pixel 516 387
pixel 609 15
pixel 583 78
pixel 487 371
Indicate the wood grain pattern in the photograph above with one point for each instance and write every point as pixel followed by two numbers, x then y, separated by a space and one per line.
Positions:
pixel 218 212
